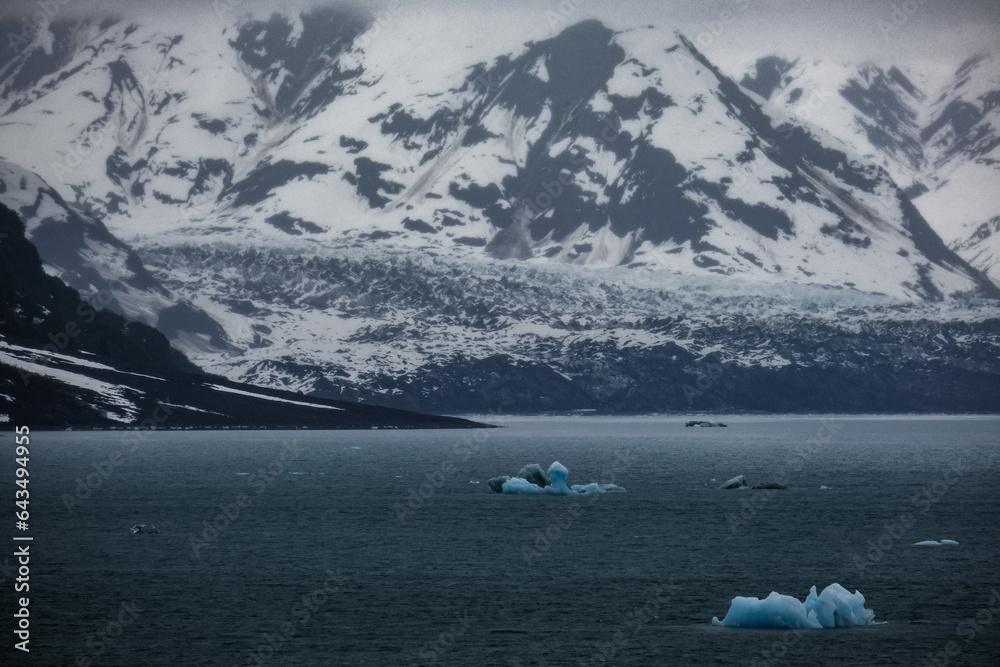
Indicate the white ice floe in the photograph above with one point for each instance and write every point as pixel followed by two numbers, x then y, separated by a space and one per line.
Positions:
pixel 833 608
pixel 738 482
pixel 935 543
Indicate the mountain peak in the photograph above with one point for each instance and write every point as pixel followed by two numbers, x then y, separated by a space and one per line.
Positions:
pixel 768 75
pixel 339 206
pixel 589 147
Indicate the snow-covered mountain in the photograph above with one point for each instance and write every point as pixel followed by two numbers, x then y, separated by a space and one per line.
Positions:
pixel 938 139
pixel 64 363
pixel 589 147
pixel 80 250
pixel 582 220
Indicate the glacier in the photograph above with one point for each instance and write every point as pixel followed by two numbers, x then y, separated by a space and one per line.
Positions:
pixel 835 607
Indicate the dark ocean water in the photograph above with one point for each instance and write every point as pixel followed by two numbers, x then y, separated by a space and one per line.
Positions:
pixel 332 560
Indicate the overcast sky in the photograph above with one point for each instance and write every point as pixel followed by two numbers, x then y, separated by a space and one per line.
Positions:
pixel 929 35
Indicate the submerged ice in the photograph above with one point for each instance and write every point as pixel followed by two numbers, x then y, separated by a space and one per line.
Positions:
pixel 833 608
pixel 532 479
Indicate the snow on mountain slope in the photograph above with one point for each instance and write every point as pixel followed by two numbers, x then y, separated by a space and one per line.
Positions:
pixel 938 139
pixel 65 364
pixel 81 251
pixel 880 112
pixel 963 139
pixel 589 147
pixel 52 390
pixel 94 260
pixel 559 216
pixel 114 402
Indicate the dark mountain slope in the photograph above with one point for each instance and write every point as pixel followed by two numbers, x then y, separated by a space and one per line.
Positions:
pixel 64 363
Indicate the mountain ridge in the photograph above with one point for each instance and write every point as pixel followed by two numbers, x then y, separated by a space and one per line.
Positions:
pixel 475 157
pixel 942 144
pixel 337 221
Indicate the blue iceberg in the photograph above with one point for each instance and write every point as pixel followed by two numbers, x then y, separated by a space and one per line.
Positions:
pixel 833 608
pixel 532 479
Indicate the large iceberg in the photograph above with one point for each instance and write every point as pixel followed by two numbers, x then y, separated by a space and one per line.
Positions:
pixel 532 479
pixel 833 608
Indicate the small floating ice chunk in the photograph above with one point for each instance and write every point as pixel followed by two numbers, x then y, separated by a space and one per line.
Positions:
pixel 935 543
pixel 738 482
pixel 143 528
pixel 833 608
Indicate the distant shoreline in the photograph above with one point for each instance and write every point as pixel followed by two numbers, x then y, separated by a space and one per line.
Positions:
pixel 132 429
